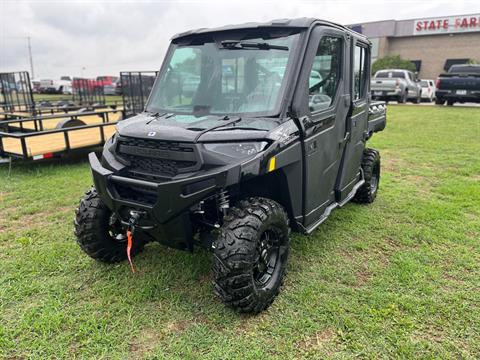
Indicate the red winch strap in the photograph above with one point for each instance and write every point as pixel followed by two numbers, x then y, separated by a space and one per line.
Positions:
pixel 129 249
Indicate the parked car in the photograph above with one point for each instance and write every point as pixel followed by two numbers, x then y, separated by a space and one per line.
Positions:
pixel 49 86
pixel 233 171
pixel 35 86
pixel 460 84
pixel 428 89
pixel 111 89
pixel 396 84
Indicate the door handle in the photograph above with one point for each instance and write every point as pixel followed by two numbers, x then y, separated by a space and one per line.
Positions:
pixel 312 147
pixel 345 139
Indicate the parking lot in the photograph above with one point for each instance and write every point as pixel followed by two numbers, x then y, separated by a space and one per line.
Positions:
pixel 397 277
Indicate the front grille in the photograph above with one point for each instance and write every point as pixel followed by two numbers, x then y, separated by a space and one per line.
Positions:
pixel 154 159
pixel 148 166
pixel 136 193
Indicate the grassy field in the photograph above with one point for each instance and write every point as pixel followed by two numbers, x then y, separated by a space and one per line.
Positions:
pixel 397 279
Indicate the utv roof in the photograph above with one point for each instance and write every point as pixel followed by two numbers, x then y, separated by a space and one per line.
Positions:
pixel 297 23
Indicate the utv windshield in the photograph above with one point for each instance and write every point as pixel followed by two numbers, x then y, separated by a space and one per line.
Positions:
pixel 224 77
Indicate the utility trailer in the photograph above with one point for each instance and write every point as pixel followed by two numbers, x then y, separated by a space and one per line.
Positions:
pixel 17 101
pixel 32 133
pixel 136 87
pixel 50 136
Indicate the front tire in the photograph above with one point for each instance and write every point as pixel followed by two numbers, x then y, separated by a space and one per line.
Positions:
pixel 250 255
pixel 99 233
pixel 367 193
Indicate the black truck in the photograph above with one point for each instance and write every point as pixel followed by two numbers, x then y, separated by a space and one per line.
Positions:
pixel 249 131
pixel 460 84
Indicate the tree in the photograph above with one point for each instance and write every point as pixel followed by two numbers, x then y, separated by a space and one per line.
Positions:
pixel 393 62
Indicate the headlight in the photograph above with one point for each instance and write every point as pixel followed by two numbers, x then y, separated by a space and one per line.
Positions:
pixel 237 150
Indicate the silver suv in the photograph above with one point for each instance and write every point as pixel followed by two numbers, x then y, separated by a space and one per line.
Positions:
pixel 396 84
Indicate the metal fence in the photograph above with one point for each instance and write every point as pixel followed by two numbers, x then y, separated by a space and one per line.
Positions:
pixel 136 87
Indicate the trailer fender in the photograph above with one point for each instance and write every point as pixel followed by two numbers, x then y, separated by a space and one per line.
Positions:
pixel 68 123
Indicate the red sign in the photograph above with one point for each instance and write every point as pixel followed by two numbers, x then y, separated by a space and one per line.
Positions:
pixel 450 24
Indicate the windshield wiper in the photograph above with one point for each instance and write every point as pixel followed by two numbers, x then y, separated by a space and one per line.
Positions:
pixel 228 121
pixel 237 44
pixel 158 115
pixel 239 128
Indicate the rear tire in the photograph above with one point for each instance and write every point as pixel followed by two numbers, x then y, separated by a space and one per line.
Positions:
pixel 367 193
pixel 98 235
pixel 250 255
pixel 439 101
pixel 450 102
pixel 402 99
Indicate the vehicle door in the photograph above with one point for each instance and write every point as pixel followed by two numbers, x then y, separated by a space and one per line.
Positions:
pixel 322 94
pixel 357 121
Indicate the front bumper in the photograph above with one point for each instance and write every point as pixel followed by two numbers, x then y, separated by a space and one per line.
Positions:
pixel 165 204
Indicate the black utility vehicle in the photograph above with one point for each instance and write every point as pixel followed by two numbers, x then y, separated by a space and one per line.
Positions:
pixel 249 131
pixel 460 84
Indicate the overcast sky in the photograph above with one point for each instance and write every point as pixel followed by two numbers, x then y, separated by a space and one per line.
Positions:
pixel 105 37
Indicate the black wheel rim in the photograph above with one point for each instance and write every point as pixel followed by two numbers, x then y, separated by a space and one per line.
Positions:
pixel 268 250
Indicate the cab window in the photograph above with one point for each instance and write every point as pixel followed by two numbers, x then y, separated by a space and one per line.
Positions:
pixel 325 73
pixel 360 68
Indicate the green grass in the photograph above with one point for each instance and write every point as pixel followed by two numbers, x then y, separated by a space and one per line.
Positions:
pixel 397 279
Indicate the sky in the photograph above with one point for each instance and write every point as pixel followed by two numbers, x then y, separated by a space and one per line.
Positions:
pixel 91 38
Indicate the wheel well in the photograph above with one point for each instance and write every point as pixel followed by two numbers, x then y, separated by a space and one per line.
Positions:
pixel 273 186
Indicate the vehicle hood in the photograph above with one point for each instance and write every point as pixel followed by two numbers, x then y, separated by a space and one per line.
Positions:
pixel 186 128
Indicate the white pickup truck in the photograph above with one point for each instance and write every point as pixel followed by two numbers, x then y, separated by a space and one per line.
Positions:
pixel 396 84
pixel 62 86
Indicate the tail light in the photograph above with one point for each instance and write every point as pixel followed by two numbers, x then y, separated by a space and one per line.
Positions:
pixel 397 83
pixel 437 83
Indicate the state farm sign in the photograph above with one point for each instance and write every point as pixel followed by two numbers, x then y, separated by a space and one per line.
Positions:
pixel 445 25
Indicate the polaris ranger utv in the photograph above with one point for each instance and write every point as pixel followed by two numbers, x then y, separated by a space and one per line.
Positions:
pixel 249 131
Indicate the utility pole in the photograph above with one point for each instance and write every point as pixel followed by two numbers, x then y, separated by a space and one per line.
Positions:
pixel 30 57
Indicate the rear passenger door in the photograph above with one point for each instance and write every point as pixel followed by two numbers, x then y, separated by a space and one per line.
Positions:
pixel 356 133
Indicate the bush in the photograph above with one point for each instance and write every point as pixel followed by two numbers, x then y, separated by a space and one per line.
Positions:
pixel 392 62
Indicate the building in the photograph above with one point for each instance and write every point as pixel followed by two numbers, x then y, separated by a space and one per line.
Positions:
pixel 432 44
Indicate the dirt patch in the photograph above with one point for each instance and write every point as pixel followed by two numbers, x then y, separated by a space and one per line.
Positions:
pixel 29 221
pixel 144 343
pixel 391 164
pixel 363 276
pixel 203 319
pixel 317 341
pixel 177 326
